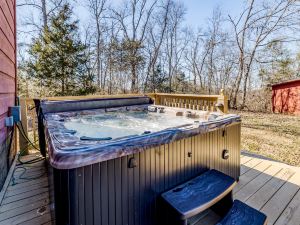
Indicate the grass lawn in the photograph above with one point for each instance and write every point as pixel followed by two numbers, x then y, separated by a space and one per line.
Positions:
pixel 272 135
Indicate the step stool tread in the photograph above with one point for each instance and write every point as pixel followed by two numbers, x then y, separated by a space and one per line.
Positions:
pixel 242 214
pixel 200 193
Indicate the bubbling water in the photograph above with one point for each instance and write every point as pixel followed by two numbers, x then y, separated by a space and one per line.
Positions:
pixel 120 124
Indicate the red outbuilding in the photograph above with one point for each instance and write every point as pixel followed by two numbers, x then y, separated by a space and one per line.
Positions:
pixel 286 97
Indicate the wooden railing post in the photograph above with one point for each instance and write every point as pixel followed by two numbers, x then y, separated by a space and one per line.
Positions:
pixel 23 143
pixel 222 104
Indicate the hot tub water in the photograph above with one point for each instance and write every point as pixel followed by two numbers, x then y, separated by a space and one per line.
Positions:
pixel 120 124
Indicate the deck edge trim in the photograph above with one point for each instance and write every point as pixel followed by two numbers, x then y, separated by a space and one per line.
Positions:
pixel 8 178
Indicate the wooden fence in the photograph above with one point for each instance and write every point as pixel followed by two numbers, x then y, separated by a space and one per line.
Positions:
pixel 188 101
pixel 194 102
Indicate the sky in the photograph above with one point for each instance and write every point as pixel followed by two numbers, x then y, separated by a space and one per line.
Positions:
pixel 197 11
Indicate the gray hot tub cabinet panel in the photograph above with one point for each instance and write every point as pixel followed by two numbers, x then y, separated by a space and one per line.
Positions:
pixel 67 151
pixel 112 193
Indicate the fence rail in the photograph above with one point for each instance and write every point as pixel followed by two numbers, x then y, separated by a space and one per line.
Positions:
pixel 188 101
pixel 195 102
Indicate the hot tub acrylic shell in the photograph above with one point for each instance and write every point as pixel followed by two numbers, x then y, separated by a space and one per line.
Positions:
pixel 126 189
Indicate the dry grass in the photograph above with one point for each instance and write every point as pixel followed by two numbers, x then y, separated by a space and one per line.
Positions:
pixel 272 135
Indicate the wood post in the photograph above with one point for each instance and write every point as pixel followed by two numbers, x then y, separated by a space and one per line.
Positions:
pixel 23 143
pixel 222 103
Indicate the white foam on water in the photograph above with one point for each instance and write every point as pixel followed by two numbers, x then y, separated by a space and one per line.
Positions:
pixel 120 124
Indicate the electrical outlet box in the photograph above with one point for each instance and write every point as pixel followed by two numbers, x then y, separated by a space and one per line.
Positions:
pixel 15 112
pixel 9 121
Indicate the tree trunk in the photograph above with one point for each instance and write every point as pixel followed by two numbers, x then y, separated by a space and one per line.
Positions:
pixel 99 79
pixel 237 83
pixel 45 16
pixel 133 79
pixel 244 93
pixel 63 86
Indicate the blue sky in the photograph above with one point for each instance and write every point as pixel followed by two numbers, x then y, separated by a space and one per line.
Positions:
pixel 197 13
pixel 199 10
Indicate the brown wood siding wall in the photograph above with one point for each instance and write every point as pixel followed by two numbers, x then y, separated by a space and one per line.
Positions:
pixel 7 79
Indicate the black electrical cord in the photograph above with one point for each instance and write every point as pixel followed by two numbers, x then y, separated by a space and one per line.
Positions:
pixel 32 161
pixel 22 164
pixel 27 163
pixel 25 136
pixel 22 174
pixel 22 132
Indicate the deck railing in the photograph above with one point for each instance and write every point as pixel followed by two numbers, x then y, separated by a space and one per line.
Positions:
pixel 188 101
pixel 194 102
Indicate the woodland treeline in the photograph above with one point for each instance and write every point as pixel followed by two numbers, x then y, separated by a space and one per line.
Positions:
pixel 146 46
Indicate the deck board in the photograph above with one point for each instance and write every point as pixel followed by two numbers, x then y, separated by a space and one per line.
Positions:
pixel 28 184
pixel 249 165
pixel 259 199
pixel 279 201
pixel 253 186
pixel 250 175
pixel 291 214
pixel 26 198
pixel 23 202
pixel 269 186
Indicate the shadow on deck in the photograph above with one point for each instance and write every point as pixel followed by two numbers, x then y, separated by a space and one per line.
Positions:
pixel 269 186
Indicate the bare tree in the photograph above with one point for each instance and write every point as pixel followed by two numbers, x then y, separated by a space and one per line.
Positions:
pixel 254 29
pixel 216 37
pixel 176 41
pixel 156 34
pixel 135 44
pixel 133 18
pixel 208 56
pixel 45 8
pixel 97 9
pixel 195 57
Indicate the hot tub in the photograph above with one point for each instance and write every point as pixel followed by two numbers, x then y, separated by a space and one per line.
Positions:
pixel 110 159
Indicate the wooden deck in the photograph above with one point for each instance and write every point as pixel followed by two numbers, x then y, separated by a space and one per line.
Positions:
pixel 269 186
pixel 26 199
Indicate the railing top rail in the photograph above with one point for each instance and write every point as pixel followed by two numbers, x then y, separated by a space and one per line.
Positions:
pixel 152 95
pixel 185 95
